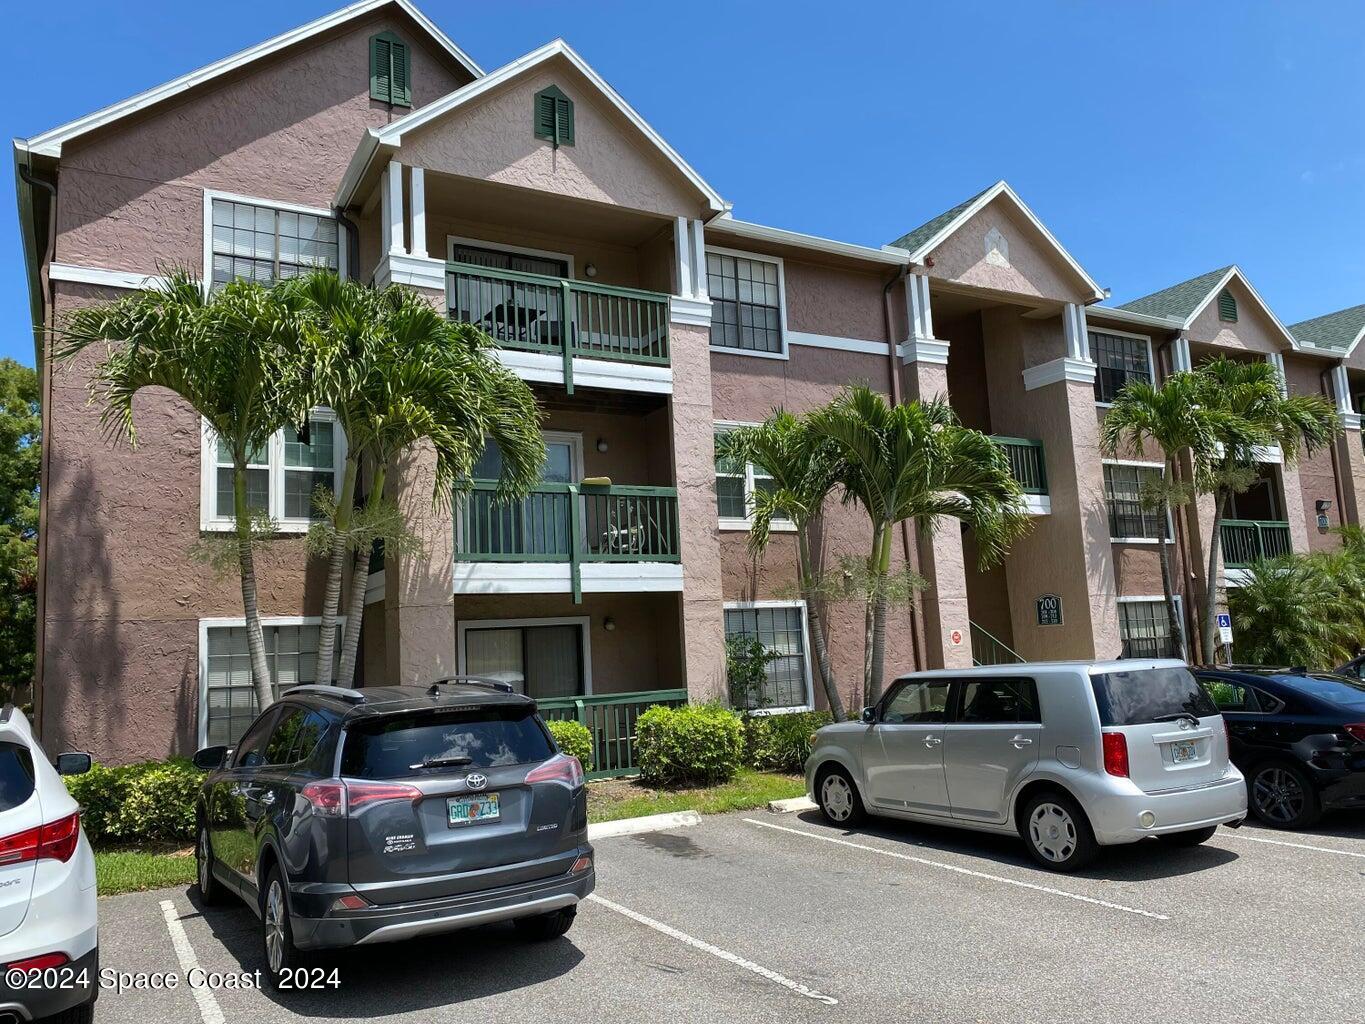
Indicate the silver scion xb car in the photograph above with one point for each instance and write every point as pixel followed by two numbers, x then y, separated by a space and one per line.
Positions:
pixel 1070 755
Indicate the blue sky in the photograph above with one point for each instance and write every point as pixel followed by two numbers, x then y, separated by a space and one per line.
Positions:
pixel 1156 140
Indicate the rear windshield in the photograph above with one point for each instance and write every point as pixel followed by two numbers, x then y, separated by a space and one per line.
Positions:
pixel 1331 688
pixel 16 775
pixel 1149 695
pixel 396 746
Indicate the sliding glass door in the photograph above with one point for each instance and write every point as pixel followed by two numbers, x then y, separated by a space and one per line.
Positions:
pixel 539 661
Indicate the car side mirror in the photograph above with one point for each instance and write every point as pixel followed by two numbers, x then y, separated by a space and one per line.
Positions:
pixel 210 758
pixel 870 715
pixel 73 762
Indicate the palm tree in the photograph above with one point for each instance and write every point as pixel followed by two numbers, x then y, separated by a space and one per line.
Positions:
pixel 1292 611
pixel 803 468
pixel 914 461
pixel 1171 417
pixel 1251 412
pixel 232 355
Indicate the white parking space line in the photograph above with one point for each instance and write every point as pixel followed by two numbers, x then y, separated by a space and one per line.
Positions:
pixel 966 871
pixel 1224 834
pixel 209 1009
pixel 716 951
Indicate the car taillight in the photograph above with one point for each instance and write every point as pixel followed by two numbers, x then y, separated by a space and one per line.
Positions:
pixel 561 768
pixel 582 864
pixel 361 794
pixel 327 798
pixel 39 963
pixel 1116 754
pixel 1356 731
pixel 54 841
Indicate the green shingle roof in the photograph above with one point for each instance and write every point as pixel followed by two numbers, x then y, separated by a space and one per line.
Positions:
pixel 914 239
pixel 1179 300
pixel 1335 330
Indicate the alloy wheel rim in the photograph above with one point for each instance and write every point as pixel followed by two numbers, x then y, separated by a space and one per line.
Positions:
pixel 837 798
pixel 274 927
pixel 203 861
pixel 1278 795
pixel 1053 832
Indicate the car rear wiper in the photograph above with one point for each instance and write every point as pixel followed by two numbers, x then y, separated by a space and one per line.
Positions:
pixel 441 762
pixel 1177 716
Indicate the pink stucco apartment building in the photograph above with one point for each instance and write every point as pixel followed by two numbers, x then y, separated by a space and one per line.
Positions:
pixel 535 201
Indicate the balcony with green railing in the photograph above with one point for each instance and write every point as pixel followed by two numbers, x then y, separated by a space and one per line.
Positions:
pixel 569 523
pixel 560 317
pixel 1251 540
pixel 610 721
pixel 1026 462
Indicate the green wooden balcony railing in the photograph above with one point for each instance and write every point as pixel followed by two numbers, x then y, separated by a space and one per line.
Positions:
pixel 537 313
pixel 1250 540
pixel 572 523
pixel 1026 462
pixel 610 720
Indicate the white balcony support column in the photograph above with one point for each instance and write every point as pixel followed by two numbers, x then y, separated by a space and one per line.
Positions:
pixel 1180 355
pixel 1276 360
pixel 1076 331
pixel 691 304
pixel 393 211
pixel 682 258
pixel 697 237
pixel 921 346
pixel 419 212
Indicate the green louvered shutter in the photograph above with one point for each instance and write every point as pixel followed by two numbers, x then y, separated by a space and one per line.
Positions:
pixel 402 87
pixel 554 117
pixel 1227 306
pixel 390 70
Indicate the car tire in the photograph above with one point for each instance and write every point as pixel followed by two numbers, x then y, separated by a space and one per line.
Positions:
pixel 277 930
pixel 1193 837
pixel 838 798
pixel 1057 832
pixel 1281 795
pixel 544 927
pixel 83 1014
pixel 211 891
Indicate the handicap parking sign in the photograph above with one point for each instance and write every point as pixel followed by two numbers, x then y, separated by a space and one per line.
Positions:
pixel 1224 628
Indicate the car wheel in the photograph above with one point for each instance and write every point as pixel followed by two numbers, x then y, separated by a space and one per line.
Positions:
pixel 1057 832
pixel 1283 796
pixel 544 927
pixel 83 1014
pixel 1193 837
pixel 211 891
pixel 277 931
pixel 838 798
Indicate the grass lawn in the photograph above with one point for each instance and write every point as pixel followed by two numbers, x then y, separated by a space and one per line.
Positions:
pixel 611 799
pixel 132 870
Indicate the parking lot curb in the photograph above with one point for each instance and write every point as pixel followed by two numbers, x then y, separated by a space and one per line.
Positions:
pixel 648 823
pixel 796 803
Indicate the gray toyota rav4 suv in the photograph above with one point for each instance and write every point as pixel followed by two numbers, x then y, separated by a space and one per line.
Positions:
pixel 346 817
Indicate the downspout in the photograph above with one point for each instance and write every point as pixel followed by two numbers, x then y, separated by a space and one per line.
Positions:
pixel 352 243
pixel 1332 449
pixel 49 318
pixel 893 365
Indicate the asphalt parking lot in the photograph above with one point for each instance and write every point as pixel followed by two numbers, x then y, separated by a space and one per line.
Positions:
pixel 765 917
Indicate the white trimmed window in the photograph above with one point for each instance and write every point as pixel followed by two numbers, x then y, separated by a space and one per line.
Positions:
pixel 257 240
pixel 1130 519
pixel 227 698
pixel 281 477
pixel 1145 628
pixel 748 303
pixel 736 486
pixel 781 627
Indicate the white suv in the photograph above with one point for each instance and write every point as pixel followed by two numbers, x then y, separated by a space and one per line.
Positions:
pixel 1070 755
pixel 48 931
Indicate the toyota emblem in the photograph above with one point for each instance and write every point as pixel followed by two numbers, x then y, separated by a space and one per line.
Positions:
pixel 476 781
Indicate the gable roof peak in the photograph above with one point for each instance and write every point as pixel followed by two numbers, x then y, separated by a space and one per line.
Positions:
pixel 1340 331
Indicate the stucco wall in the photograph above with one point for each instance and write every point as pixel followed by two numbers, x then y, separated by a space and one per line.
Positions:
pixel 1252 332
pixel 1317 472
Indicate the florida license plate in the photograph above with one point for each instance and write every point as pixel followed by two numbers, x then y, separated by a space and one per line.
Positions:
pixel 468 810
pixel 1182 752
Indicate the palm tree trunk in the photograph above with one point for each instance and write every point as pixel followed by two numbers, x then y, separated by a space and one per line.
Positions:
pixel 336 564
pixel 879 615
pixel 255 639
pixel 1164 549
pixel 817 629
pixel 355 605
pixel 1211 580
pixel 869 612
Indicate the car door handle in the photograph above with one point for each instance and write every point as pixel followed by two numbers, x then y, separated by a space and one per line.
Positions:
pixel 932 741
pixel 1020 742
pixel 267 798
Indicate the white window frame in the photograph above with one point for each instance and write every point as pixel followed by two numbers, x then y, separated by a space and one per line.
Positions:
pixel 732 524
pixel 758 257
pixel 584 622
pixel 1160 467
pixel 1151 353
pixel 271 204
pixel 211 522
pixel 239 622
pixel 1156 599
pixel 805 649
pixel 520 250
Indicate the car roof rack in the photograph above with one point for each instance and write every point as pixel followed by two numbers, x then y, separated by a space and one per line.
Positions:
pixel 322 689
pixel 492 684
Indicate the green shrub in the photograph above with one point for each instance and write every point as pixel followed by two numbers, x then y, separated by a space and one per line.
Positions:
pixel 151 800
pixel 574 739
pixel 696 743
pixel 781 743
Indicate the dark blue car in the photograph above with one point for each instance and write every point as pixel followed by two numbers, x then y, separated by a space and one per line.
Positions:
pixel 1297 736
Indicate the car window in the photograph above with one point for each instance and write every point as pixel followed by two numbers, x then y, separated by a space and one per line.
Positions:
pixel 1147 695
pixel 16 775
pixel 249 751
pixel 1339 690
pixel 310 733
pixel 999 700
pixel 1268 702
pixel 1229 695
pixel 396 746
pixel 284 736
pixel 917 702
